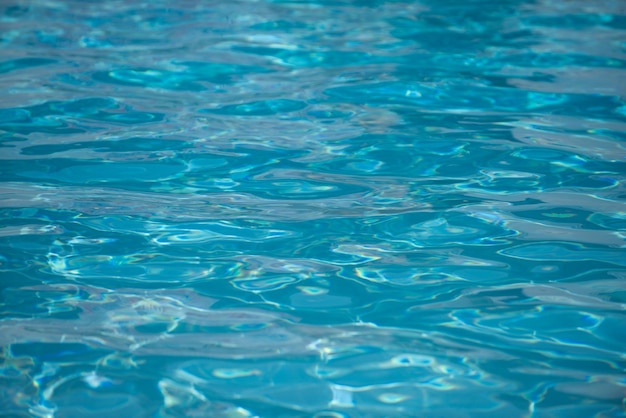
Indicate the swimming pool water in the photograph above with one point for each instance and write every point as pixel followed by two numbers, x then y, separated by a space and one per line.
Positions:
pixel 313 208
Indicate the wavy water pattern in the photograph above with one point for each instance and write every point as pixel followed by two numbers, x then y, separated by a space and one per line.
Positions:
pixel 326 208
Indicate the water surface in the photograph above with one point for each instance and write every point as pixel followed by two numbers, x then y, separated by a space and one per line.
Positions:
pixel 313 209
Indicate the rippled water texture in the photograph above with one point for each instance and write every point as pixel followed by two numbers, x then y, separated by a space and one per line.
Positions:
pixel 313 209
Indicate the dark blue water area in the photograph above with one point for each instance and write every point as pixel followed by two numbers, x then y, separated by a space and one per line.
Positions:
pixel 329 209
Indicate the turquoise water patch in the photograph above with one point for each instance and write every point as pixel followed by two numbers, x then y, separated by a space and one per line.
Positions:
pixel 57 117
pixel 23 63
pixel 260 108
pixel 125 145
pixel 114 172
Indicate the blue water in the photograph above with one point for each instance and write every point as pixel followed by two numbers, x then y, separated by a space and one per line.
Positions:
pixel 313 209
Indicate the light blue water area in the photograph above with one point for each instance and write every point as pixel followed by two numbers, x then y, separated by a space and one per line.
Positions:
pixel 325 208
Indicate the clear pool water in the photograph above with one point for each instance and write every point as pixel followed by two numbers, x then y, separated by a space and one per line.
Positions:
pixel 313 208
